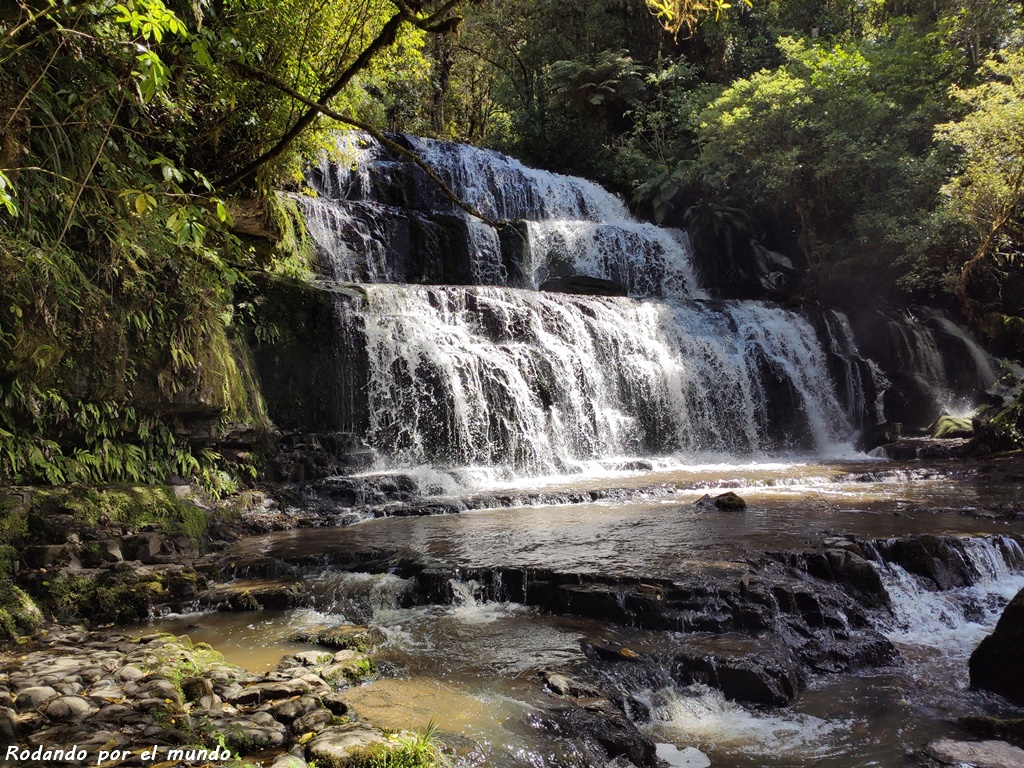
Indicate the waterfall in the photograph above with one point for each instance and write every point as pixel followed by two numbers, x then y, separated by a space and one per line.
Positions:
pixel 456 359
pixel 484 376
pixel 955 620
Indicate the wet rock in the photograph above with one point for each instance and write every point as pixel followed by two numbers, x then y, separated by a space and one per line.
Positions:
pixel 567 686
pixel 288 761
pixel 742 668
pixel 997 664
pixel 312 721
pixel 254 595
pixel 348 667
pixel 730 502
pixel 844 564
pixel 336 702
pixel 976 754
pixel 1009 729
pixel 939 558
pixel 288 711
pixel 602 724
pixel 878 435
pixel 335 745
pixel 584 285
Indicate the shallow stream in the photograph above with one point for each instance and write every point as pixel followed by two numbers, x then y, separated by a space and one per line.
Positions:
pixel 472 667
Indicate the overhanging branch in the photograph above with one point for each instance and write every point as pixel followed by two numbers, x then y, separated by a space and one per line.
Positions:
pixel 268 79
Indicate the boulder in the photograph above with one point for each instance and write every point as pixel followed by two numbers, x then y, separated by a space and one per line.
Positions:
pixel 742 668
pixel 600 723
pixel 946 427
pixel 997 664
pixel 878 435
pixel 730 501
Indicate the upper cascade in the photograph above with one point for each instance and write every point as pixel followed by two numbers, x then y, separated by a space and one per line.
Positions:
pixel 495 184
pixel 378 218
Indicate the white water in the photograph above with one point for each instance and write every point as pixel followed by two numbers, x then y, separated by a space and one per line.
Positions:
pixel 935 622
pixel 538 383
pixel 541 381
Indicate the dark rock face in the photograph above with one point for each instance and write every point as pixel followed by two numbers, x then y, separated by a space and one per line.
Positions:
pixel 743 668
pixel 910 401
pixel 997 664
pixel 600 724
pixel 878 435
pixel 584 285
pixel 941 559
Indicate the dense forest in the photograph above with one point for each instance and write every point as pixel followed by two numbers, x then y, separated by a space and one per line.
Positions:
pixel 877 143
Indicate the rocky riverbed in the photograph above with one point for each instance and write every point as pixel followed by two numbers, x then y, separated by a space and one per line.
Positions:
pixel 757 604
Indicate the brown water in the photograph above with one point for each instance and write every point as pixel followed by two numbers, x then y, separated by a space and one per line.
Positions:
pixel 472 668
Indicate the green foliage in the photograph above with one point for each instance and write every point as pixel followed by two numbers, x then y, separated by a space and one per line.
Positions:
pixel 118 262
pixel 834 147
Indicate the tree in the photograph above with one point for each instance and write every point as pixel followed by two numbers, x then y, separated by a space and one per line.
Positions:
pixel 987 191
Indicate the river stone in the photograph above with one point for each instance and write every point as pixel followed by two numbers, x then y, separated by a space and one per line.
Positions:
pixel 343 636
pixel 742 668
pixel 336 702
pixel 348 666
pixel 997 664
pixel 195 688
pixel 334 746
pixel 159 688
pixel 730 501
pixel 977 754
pixel 312 721
pixel 8 726
pixel 288 711
pixel 567 686
pixel 311 658
pixel 34 696
pixel 245 735
pixel 602 723
pixel 288 761
pixel 68 709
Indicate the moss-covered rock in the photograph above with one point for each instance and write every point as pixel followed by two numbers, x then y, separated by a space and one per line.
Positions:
pixel 120 593
pixel 19 614
pixel 948 427
pixel 350 637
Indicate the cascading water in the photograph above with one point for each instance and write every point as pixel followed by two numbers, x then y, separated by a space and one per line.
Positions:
pixel 482 369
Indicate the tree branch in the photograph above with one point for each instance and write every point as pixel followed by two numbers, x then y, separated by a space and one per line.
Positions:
pixel 395 147
pixel 438 22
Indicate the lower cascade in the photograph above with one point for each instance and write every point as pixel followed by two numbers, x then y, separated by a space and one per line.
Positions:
pixel 468 376
pixel 486 366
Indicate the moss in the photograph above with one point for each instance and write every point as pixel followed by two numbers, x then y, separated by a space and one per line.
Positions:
pixel 18 613
pixel 947 427
pixel 1002 430
pixel 119 595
